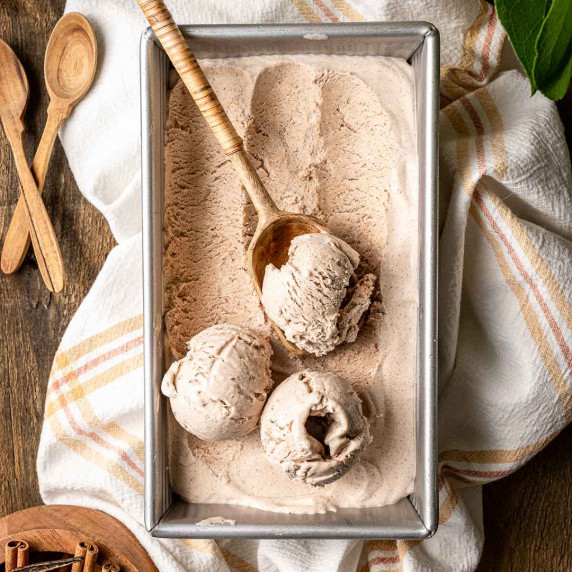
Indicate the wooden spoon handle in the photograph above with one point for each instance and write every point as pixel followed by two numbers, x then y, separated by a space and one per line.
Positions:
pixel 42 233
pixel 17 239
pixel 192 75
pixel 262 201
pixel 201 91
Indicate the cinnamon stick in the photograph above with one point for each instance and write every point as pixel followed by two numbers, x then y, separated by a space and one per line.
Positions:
pixel 11 555
pixel 23 558
pixel 49 566
pixel 90 558
pixel 110 568
pixel 80 550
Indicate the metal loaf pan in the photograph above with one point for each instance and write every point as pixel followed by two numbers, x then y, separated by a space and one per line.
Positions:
pixel 166 515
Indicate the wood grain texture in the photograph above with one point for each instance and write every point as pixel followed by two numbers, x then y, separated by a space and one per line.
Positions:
pixel 32 321
pixel 42 233
pixel 63 529
pixel 13 100
pixel 527 515
pixel 69 68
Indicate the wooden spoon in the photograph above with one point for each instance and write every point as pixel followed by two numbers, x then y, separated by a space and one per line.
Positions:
pixel 69 68
pixel 276 228
pixel 13 99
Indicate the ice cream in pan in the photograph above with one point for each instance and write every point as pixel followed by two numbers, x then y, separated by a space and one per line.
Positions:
pixel 301 274
pixel 305 296
pixel 313 427
pixel 275 227
pixel 219 388
pixel 332 137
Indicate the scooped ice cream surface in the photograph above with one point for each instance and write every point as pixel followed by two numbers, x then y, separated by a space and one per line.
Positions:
pixel 313 427
pixel 333 137
pixel 219 388
pixel 304 296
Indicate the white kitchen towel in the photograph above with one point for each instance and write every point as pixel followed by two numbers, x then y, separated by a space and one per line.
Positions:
pixel 504 305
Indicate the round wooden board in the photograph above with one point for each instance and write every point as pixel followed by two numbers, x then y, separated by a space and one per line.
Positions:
pixel 59 528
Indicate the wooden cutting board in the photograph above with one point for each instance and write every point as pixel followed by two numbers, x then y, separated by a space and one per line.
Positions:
pixel 58 529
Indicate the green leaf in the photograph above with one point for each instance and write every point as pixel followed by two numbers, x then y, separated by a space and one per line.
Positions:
pixel 553 64
pixel 522 20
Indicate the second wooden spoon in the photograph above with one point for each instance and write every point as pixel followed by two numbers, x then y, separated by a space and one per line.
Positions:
pixel 69 67
pixel 13 99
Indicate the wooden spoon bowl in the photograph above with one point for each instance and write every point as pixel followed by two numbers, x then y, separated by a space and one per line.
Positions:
pixel 270 245
pixel 69 64
pixel 14 98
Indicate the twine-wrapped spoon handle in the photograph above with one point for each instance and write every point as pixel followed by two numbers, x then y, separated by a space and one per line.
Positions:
pixel 176 47
pixel 185 63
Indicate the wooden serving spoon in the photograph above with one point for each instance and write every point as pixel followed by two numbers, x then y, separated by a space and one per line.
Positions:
pixel 69 68
pixel 13 100
pixel 276 228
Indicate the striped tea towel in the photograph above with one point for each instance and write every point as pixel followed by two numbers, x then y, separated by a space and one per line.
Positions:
pixel 505 297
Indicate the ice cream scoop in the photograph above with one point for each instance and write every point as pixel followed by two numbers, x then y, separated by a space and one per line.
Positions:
pixel 313 427
pixel 275 228
pixel 219 388
pixel 305 296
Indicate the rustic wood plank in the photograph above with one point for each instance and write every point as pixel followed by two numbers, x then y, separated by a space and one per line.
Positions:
pixel 527 515
pixel 32 321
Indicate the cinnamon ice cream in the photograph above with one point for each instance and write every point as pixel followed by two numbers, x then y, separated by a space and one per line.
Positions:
pixel 217 391
pixel 333 137
pixel 304 296
pixel 313 427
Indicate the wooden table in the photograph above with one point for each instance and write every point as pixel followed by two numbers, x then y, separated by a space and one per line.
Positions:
pixel 57 529
pixel 527 515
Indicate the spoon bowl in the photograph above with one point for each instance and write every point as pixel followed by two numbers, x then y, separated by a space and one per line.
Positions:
pixel 14 89
pixel 270 245
pixel 71 58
